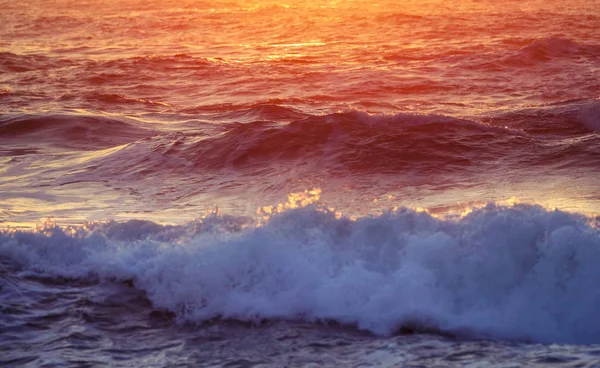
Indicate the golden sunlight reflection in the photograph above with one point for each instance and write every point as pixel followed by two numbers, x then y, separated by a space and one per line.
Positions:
pixel 455 211
pixel 294 200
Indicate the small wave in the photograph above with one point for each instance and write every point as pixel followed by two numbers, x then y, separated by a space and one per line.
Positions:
pixel 400 17
pixel 518 272
pixel 264 112
pixel 113 98
pixel 162 63
pixel 14 63
pixel 545 48
pixel 548 48
pixel 72 131
pixel 245 114
pixel 561 119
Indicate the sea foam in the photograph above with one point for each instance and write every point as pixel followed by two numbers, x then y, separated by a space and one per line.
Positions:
pixel 520 272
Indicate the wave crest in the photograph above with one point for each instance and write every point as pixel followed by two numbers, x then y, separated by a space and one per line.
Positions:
pixel 72 131
pixel 518 272
pixel 353 140
pixel 548 48
pixel 15 63
pixel 356 142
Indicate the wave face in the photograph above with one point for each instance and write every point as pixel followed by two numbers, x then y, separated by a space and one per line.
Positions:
pixel 518 272
pixel 549 48
pixel 72 131
pixel 362 142
pixel 340 144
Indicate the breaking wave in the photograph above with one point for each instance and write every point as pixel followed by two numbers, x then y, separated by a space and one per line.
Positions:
pixel 520 272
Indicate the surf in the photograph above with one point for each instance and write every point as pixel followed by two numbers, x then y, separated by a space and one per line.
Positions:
pixel 504 272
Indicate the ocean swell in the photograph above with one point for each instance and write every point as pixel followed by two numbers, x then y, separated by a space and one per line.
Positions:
pixel 15 63
pixel 345 143
pixel 339 144
pixel 354 141
pixel 87 132
pixel 546 49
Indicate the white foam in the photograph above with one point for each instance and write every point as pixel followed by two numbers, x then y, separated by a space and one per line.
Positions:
pixel 512 273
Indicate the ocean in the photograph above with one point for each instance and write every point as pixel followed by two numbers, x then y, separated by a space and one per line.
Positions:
pixel 342 183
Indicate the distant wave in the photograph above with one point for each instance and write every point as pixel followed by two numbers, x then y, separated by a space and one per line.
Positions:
pixel 560 119
pixel 248 113
pixel 546 49
pixel 113 99
pixel 531 53
pixel 519 272
pixel 72 131
pixel 15 63
pixel 180 62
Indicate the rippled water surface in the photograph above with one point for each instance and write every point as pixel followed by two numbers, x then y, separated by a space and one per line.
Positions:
pixel 300 183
